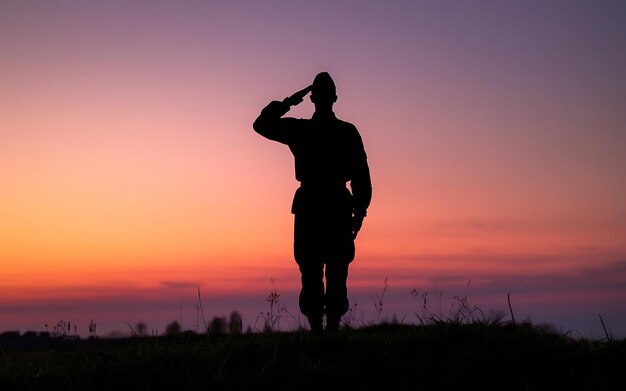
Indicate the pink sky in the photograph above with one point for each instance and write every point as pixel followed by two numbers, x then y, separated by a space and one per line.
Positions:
pixel 131 175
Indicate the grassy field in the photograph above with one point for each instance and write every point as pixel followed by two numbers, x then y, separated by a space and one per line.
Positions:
pixel 382 357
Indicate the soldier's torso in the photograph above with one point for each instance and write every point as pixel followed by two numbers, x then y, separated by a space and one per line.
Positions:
pixel 323 151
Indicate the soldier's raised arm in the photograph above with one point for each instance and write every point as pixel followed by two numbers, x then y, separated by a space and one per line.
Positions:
pixel 270 123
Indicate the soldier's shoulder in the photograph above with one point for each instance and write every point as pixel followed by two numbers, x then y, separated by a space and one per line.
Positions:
pixel 295 121
pixel 347 125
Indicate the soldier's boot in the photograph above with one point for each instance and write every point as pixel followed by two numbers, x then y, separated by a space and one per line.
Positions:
pixel 332 323
pixel 315 322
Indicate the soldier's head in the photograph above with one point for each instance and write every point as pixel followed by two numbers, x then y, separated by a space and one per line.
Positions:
pixel 323 91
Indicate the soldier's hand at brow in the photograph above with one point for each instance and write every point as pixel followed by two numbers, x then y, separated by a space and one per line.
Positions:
pixel 297 97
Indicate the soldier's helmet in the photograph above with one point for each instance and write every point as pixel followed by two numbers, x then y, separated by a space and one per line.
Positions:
pixel 324 86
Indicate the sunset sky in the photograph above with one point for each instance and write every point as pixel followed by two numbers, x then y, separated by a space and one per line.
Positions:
pixel 131 177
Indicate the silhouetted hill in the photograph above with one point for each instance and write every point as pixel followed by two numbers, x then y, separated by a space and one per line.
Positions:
pixel 389 357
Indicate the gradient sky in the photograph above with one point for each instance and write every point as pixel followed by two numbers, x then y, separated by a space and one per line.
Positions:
pixel 131 177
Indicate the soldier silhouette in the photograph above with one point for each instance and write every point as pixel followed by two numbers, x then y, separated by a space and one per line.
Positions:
pixel 328 154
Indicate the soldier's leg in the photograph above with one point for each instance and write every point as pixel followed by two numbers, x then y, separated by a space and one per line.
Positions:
pixel 309 260
pixel 311 300
pixel 336 298
pixel 341 253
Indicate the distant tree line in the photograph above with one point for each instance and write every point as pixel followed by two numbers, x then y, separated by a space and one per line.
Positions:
pixel 65 332
pixel 219 325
